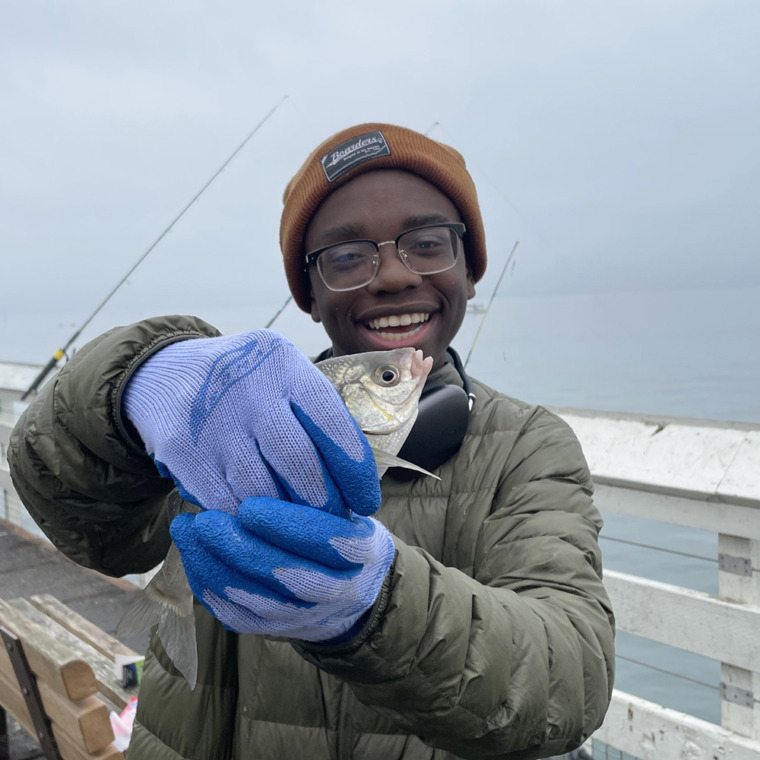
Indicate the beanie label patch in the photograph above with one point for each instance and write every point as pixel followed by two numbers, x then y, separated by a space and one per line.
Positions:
pixel 353 152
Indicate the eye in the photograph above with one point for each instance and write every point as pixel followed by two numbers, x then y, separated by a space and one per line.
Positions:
pixel 345 257
pixel 387 375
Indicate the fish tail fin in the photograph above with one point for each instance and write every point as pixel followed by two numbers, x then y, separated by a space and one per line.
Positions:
pixel 384 460
pixel 172 611
pixel 142 614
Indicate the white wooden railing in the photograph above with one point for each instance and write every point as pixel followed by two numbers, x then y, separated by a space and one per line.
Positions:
pixel 698 474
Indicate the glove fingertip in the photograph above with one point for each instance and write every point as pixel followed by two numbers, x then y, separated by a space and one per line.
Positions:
pixel 257 508
pixel 211 516
pixel 181 524
pixel 366 498
pixel 257 503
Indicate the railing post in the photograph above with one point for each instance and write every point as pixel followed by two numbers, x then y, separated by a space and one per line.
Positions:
pixel 739 579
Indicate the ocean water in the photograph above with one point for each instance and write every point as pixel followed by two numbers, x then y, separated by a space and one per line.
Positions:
pixel 693 353
pixel 684 353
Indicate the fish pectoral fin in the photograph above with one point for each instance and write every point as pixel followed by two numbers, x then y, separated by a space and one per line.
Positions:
pixel 141 615
pixel 167 601
pixel 383 460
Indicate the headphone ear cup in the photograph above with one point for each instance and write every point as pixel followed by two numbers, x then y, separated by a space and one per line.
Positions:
pixel 438 432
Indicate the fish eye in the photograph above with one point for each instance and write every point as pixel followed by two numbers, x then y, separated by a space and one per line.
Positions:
pixel 387 375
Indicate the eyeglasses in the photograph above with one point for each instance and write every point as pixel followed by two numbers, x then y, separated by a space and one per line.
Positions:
pixel 354 264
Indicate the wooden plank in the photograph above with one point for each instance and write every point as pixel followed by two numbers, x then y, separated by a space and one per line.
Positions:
pixel 686 619
pixel 101 666
pixel 691 458
pixel 651 732
pixel 69 747
pixel 86 721
pixel 82 628
pixel 49 659
pixel 12 700
pixel 738 520
pixel 741 475
pixel 72 752
pixel 89 716
pixel 737 716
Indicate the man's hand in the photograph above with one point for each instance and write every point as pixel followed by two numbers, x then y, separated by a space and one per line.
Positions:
pixel 249 415
pixel 284 569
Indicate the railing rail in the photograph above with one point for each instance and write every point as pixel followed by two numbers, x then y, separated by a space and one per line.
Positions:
pixel 651 732
pixel 700 474
pixel 686 619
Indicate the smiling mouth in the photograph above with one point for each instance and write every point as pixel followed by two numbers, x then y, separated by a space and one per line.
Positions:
pixel 398 326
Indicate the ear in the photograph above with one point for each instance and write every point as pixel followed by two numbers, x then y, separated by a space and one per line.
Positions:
pixel 470 284
pixel 314 308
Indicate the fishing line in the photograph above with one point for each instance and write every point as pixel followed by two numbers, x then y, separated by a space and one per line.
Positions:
pixel 506 265
pixel 658 549
pixel 667 672
pixel 61 352
pixel 493 295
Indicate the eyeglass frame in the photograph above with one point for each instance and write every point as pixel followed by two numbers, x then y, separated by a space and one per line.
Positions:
pixel 458 228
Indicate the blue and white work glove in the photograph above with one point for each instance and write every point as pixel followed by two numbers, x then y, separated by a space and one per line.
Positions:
pixel 284 569
pixel 249 415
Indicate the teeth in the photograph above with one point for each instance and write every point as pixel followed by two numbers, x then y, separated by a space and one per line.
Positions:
pixel 398 320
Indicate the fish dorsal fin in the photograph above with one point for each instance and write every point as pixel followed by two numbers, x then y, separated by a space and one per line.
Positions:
pixel 384 460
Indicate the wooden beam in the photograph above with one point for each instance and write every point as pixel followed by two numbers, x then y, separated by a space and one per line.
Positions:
pixel 686 619
pixel 85 723
pixel 101 666
pixel 739 714
pixel 48 658
pixel 691 458
pixel 81 627
pixel 735 519
pixel 651 732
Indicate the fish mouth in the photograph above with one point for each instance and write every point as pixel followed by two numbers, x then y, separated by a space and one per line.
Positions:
pixel 397 326
pixel 420 367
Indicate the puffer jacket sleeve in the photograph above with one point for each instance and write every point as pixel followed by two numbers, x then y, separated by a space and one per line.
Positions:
pixel 511 656
pixel 79 471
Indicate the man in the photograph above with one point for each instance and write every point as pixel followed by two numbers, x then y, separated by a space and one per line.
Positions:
pixel 466 619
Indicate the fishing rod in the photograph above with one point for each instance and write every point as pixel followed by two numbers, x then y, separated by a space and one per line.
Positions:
pixel 61 352
pixel 493 295
pixel 278 312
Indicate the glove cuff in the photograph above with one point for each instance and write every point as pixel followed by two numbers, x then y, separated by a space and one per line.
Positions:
pixel 174 371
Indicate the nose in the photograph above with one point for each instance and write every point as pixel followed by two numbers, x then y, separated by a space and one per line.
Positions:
pixel 392 276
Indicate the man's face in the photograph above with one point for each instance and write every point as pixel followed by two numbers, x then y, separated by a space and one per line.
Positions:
pixel 398 308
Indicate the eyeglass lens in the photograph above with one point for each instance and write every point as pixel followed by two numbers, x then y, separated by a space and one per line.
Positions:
pixel 354 264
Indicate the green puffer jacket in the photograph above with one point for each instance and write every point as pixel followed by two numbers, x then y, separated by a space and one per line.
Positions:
pixel 492 636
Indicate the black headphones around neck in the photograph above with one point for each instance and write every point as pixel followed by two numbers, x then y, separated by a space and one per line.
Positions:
pixel 442 420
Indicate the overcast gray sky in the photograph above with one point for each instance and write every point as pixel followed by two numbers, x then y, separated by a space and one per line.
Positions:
pixel 618 141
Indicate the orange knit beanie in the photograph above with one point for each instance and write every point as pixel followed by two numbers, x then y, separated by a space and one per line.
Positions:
pixel 364 148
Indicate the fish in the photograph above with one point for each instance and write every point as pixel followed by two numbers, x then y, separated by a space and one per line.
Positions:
pixel 381 390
